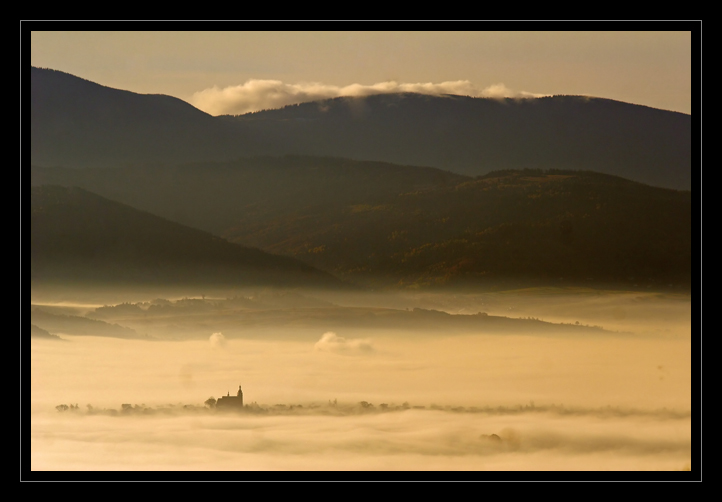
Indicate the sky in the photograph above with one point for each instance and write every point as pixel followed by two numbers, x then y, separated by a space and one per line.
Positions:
pixel 237 72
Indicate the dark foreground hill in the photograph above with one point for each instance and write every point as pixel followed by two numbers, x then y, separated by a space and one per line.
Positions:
pixel 77 123
pixel 523 227
pixel 80 237
pixel 385 225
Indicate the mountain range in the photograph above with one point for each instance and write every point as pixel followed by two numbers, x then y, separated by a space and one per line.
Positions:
pixel 380 224
pixel 77 123
pixel 131 188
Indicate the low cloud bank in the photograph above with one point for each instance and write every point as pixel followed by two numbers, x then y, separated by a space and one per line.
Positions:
pixel 331 342
pixel 334 408
pixel 255 95
pixel 412 439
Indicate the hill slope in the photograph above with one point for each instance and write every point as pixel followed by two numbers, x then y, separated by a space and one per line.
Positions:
pixel 215 196
pixel 76 122
pixel 529 227
pixel 77 236
pixel 37 332
pixel 476 135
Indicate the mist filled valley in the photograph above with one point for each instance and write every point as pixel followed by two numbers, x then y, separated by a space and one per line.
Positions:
pixel 396 282
pixel 587 380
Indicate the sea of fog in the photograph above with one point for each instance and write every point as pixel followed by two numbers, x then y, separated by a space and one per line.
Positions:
pixel 379 400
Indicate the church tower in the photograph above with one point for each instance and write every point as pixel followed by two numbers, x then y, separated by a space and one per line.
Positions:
pixel 231 402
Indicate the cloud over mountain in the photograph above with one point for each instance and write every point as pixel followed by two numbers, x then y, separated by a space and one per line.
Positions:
pixel 255 95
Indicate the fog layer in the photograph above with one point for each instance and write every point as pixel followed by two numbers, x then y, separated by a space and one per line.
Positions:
pixel 374 399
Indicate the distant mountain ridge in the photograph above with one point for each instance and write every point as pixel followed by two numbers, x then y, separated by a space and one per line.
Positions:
pixel 80 237
pixel 77 123
pixel 474 136
pixel 76 325
pixel 37 332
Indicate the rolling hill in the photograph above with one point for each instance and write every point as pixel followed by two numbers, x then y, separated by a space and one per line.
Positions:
pixel 47 322
pixel 384 225
pixel 78 237
pixel 474 136
pixel 521 228
pixel 215 196
pixel 39 333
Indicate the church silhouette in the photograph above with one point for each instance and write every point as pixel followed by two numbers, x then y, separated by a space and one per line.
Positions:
pixel 231 402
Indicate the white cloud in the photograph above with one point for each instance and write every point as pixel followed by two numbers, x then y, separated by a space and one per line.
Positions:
pixel 255 95
pixel 218 341
pixel 331 342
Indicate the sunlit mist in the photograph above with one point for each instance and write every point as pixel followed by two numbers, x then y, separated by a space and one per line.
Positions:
pixel 348 398
pixel 255 95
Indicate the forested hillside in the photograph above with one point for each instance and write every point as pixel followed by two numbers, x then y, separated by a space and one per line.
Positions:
pixel 385 225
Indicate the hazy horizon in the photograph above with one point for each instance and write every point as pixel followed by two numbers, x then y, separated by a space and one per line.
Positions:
pixel 617 400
